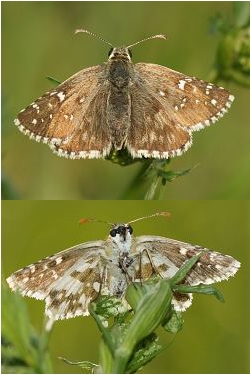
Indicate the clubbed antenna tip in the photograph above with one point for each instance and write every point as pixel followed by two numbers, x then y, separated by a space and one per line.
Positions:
pixel 164 213
pixel 92 34
pixel 158 36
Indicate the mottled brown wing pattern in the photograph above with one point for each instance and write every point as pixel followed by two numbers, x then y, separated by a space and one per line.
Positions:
pixel 92 138
pixel 71 294
pixel 68 281
pixel 73 131
pixel 169 255
pixel 170 106
pixel 153 131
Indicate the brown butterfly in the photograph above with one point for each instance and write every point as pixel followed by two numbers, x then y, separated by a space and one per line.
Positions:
pixel 147 109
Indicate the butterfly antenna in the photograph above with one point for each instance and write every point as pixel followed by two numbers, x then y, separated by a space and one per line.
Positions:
pixel 166 214
pixel 87 220
pixel 92 34
pixel 159 36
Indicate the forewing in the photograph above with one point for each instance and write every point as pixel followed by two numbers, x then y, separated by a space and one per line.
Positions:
pixel 167 106
pixel 169 255
pixel 191 102
pixel 67 281
pixel 70 118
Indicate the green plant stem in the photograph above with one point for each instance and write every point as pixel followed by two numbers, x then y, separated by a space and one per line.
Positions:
pixel 137 184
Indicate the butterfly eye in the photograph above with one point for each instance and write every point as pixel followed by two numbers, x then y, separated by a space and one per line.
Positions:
pixel 130 52
pixel 109 53
pixel 113 232
pixel 130 230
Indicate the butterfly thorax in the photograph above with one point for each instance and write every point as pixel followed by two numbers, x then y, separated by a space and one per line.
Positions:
pixel 119 75
pixel 119 68
pixel 119 258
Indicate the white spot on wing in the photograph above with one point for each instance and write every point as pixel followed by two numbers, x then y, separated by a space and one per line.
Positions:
pixel 183 250
pixel 59 260
pixel 61 96
pixel 96 286
pixel 181 84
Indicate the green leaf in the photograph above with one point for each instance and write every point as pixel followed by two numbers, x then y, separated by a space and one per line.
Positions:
pixel 150 311
pixel 172 175
pixel 108 306
pixel 22 344
pixel 174 323
pixel 158 172
pixel 144 353
pixel 201 288
pixel 182 272
pixel 53 80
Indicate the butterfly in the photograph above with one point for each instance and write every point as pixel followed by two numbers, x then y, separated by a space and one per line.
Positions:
pixel 71 279
pixel 147 109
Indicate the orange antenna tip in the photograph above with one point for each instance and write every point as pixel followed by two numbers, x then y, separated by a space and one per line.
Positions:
pixel 84 221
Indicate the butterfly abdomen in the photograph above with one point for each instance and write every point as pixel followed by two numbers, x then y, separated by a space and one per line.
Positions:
pixel 119 102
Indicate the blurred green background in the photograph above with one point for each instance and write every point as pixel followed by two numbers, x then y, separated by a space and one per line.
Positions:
pixel 38 40
pixel 215 337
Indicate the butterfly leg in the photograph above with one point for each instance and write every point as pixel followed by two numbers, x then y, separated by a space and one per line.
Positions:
pixel 102 279
pixel 144 271
pixel 124 264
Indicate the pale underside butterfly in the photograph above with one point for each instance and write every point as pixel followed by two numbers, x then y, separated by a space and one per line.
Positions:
pixel 71 279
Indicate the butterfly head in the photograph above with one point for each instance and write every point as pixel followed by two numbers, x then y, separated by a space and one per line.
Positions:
pixel 121 238
pixel 121 233
pixel 120 53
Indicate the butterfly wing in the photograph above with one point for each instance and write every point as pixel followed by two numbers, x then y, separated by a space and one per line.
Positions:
pixel 169 255
pixel 153 131
pixel 167 106
pixel 70 118
pixel 68 281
